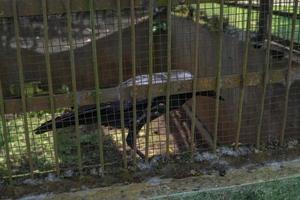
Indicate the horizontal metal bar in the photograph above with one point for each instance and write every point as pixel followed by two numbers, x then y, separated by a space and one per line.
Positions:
pixel 112 94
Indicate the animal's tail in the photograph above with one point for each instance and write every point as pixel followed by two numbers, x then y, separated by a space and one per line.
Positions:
pixel 86 116
pixel 65 120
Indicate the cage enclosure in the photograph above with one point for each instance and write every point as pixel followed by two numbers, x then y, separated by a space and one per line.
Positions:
pixel 126 89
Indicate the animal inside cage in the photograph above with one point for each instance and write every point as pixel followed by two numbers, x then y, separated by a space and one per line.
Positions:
pixel 90 84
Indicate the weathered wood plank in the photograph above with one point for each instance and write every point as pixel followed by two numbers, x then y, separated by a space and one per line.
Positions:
pixel 113 94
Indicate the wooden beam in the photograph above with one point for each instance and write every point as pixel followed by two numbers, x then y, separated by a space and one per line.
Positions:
pixel 199 126
pixel 112 94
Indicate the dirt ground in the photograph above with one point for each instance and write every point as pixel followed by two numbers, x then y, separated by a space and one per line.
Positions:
pixel 156 187
pixel 164 177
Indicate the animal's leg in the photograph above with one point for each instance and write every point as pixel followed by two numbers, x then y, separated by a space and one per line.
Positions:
pixel 156 111
pixel 130 137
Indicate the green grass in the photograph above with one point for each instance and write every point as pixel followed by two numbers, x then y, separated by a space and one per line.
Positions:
pixel 286 188
pixel 41 145
pixel 237 17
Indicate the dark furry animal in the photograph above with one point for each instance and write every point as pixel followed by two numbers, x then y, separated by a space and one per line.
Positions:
pixel 110 114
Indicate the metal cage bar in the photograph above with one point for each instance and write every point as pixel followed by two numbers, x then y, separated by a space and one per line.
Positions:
pixel 50 83
pixel 169 67
pixel 266 74
pixel 5 134
pixel 120 57
pixel 133 60
pixel 97 84
pixel 218 77
pixel 288 78
pixel 22 85
pixel 150 75
pixel 74 87
pixel 196 62
pixel 244 76
pixel 279 24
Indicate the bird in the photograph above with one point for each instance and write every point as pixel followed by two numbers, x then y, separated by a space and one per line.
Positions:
pixel 111 111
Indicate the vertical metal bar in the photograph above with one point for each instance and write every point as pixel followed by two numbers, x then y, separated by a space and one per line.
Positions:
pixel 133 60
pixel 169 66
pixel 288 78
pixel 266 74
pixel 120 57
pixel 218 78
pixel 279 19
pixel 264 11
pixel 150 74
pixel 22 85
pixel 5 134
pixel 74 87
pixel 97 84
pixel 244 75
pixel 50 84
pixel 196 65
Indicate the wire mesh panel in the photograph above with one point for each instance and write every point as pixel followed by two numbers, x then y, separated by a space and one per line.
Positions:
pixel 86 86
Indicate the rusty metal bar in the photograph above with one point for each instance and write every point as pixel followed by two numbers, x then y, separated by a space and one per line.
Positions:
pixel 244 76
pixel 218 78
pixel 150 74
pixel 133 60
pixel 97 84
pixel 5 134
pixel 50 84
pixel 194 98
pixel 169 67
pixel 22 85
pixel 120 57
pixel 289 73
pixel 266 74
pixel 74 87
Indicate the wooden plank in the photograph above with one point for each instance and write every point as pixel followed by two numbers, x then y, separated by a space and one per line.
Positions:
pixel 112 94
pixel 199 126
